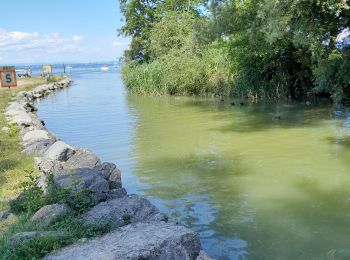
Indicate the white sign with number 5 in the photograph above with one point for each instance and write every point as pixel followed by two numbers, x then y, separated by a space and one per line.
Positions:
pixel 8 76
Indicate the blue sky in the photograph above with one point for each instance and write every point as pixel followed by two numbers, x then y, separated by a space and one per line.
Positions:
pixel 35 31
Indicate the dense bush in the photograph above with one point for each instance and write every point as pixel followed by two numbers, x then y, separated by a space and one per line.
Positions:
pixel 178 64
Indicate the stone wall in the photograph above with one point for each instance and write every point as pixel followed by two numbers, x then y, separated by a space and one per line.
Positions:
pixel 148 236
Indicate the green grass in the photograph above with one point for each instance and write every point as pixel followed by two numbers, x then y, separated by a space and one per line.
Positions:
pixel 14 165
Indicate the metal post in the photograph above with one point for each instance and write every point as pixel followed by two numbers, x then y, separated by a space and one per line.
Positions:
pixel 10 91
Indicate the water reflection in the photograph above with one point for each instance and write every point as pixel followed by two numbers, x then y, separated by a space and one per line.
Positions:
pixel 253 187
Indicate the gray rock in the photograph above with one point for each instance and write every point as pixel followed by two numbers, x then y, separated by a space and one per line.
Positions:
pixel 20 237
pixel 38 147
pixel 83 179
pixel 21 119
pixel 34 136
pixel 49 214
pixel 14 108
pixel 116 193
pixel 44 165
pixel 59 151
pixel 156 241
pixel 106 169
pixel 110 172
pixel 82 158
pixel 30 108
pixel 132 207
pixel 5 215
pixel 115 180
pixel 36 122
pixel 49 166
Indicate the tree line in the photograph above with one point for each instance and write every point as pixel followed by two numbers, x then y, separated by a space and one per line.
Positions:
pixel 265 49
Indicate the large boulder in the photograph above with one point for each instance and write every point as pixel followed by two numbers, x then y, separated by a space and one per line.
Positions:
pixel 154 241
pixel 21 118
pixel 14 108
pixel 83 179
pixel 49 214
pixel 82 158
pixel 59 151
pixel 130 209
pixel 34 136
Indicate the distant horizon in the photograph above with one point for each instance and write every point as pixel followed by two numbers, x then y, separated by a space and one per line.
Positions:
pixel 59 63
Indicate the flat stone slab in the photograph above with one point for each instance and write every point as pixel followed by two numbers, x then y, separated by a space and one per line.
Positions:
pixel 132 208
pixel 154 241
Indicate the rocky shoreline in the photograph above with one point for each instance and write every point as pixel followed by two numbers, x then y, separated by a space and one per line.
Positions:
pixel 147 234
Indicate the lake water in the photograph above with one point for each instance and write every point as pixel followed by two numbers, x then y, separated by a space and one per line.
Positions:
pixel 253 187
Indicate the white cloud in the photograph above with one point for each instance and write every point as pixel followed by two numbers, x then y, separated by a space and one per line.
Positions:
pixel 16 44
pixel 77 38
pixel 118 43
pixel 22 41
pixel 30 47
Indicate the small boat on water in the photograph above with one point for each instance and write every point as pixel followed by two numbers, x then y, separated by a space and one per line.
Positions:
pixel 105 68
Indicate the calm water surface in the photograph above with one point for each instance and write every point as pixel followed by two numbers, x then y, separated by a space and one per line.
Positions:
pixel 253 187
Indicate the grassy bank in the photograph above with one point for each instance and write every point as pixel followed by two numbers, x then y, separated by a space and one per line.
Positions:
pixel 13 164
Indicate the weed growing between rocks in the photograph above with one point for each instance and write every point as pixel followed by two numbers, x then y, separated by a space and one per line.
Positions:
pixel 67 229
